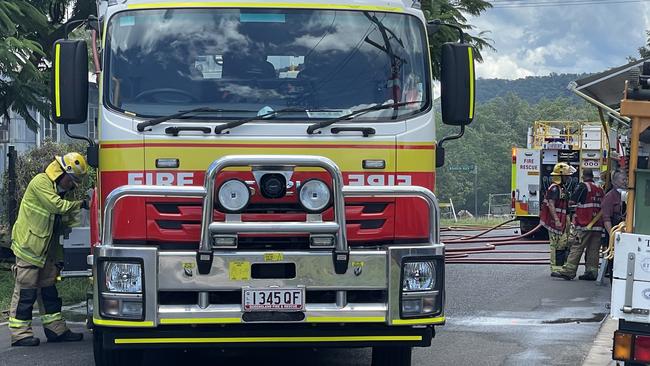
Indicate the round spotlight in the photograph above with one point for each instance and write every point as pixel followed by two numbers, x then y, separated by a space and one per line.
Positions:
pixel 233 195
pixel 315 195
pixel 273 186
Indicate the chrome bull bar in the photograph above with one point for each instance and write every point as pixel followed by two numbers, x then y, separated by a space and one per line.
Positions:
pixel 208 228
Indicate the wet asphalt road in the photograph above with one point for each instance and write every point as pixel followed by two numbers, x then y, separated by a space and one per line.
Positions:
pixel 497 315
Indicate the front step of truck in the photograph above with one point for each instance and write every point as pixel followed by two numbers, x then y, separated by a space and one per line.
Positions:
pixel 226 295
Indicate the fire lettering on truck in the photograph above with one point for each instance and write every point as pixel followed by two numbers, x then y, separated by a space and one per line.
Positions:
pixel 379 180
pixel 162 178
pixel 529 164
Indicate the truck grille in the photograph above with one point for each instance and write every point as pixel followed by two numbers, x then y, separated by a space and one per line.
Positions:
pixel 366 223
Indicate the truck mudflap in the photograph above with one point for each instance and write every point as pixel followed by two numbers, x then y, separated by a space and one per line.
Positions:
pixel 265 335
pixel 360 293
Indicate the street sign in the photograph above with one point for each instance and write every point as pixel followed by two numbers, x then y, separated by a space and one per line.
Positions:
pixel 462 168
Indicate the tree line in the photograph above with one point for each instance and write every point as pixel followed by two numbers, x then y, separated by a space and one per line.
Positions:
pixel 500 124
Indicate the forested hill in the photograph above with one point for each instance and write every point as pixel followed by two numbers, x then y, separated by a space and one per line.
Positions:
pixel 505 109
pixel 531 89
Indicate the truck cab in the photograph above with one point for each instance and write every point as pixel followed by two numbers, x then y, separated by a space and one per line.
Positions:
pixel 265 174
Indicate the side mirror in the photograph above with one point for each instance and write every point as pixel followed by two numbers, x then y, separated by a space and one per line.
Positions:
pixel 457 84
pixel 69 83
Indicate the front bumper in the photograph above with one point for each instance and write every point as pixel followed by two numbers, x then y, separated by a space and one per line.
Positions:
pixel 265 336
pixel 371 271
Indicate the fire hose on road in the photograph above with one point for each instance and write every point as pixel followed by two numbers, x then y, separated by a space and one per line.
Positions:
pixel 458 252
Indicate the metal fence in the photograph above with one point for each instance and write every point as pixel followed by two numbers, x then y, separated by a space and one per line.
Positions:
pixel 499 204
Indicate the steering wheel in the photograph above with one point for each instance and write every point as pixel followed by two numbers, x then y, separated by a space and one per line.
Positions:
pixel 151 94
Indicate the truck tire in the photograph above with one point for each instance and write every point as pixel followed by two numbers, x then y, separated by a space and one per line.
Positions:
pixel 104 357
pixel 526 225
pixel 391 356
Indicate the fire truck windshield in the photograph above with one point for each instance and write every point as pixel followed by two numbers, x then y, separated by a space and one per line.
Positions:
pixel 328 63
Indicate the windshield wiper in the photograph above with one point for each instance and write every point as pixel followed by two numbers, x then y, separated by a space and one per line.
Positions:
pixel 233 124
pixel 180 114
pixel 396 61
pixel 318 125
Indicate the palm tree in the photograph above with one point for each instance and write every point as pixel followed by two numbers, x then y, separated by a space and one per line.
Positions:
pixel 454 12
pixel 22 82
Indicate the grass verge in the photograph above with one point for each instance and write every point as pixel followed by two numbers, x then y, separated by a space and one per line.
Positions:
pixel 71 290
pixel 475 221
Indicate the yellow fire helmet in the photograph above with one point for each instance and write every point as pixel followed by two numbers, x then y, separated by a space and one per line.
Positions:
pixel 74 164
pixel 563 169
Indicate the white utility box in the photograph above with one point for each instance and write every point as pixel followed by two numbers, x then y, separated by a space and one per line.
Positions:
pixel 76 247
pixel 631 285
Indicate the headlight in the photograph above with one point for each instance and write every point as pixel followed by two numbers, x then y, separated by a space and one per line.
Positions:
pixel 315 195
pixel 418 276
pixel 422 289
pixel 234 195
pixel 123 277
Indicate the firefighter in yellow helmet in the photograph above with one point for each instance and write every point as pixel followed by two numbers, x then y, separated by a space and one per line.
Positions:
pixel 553 214
pixel 44 213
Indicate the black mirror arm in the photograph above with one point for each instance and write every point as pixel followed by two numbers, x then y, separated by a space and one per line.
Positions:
pixel 452 137
pixel 92 22
pixel 440 151
pixel 77 137
pixel 74 24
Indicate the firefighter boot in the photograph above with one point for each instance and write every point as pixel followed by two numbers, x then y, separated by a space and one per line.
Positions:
pixel 67 336
pixel 26 342
pixel 562 275
pixel 588 276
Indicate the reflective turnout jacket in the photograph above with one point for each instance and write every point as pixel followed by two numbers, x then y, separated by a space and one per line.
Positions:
pixel 33 230
pixel 587 211
pixel 561 205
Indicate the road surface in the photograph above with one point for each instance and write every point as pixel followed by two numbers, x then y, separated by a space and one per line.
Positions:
pixel 497 315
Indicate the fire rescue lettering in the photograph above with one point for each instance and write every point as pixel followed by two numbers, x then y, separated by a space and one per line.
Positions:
pixel 187 179
pixel 379 180
pixel 529 164
pixel 162 179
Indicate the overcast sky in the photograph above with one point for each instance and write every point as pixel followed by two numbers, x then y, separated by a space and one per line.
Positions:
pixel 561 39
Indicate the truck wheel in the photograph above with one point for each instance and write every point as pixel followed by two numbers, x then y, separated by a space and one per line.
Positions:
pixel 526 225
pixel 104 357
pixel 391 356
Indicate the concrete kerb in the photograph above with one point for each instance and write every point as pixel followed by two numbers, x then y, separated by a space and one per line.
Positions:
pixel 600 353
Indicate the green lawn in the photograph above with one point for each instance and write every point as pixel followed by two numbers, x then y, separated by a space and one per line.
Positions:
pixel 71 290
pixel 477 221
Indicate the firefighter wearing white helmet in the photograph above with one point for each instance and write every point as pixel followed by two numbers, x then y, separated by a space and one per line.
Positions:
pixel 553 215
pixel 45 211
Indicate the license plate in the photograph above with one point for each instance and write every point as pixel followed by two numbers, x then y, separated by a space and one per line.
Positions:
pixel 274 299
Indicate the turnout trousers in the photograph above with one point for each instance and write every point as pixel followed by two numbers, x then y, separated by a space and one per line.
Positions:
pixel 559 247
pixel 32 284
pixel 587 242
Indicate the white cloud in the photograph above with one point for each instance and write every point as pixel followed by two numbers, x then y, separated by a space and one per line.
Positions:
pixel 567 39
pixel 501 67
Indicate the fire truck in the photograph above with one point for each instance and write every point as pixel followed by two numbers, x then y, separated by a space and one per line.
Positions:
pixel 630 240
pixel 264 173
pixel 580 144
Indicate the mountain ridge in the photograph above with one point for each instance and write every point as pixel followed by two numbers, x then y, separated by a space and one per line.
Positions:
pixel 532 89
